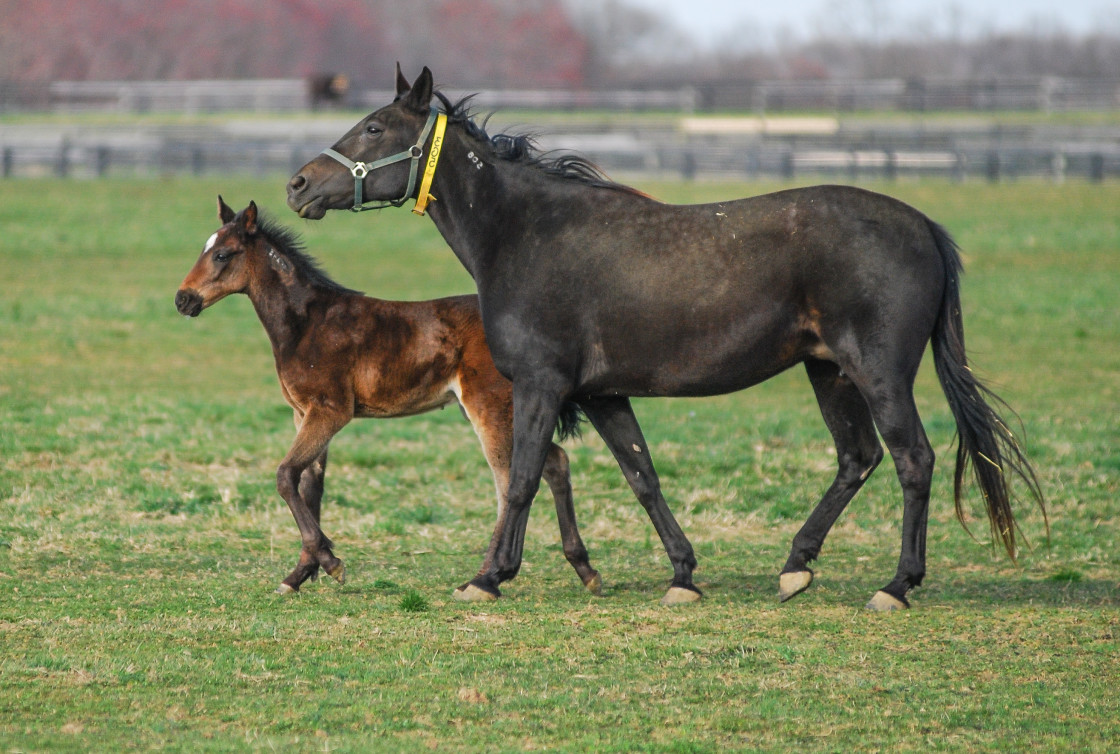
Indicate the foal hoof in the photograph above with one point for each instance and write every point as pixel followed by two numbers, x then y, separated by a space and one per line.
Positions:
pixel 679 596
pixel 595 585
pixel 884 603
pixel 285 589
pixel 792 584
pixel 338 573
pixel 471 593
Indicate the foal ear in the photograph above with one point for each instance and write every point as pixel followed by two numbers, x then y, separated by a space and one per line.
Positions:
pixel 249 218
pixel 402 83
pixel 420 95
pixel 225 213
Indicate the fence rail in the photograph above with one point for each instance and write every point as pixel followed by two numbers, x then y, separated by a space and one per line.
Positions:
pixel 917 94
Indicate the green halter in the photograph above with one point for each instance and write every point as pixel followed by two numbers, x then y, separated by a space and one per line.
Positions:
pixel 361 169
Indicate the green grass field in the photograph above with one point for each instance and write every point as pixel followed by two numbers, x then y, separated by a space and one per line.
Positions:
pixel 141 535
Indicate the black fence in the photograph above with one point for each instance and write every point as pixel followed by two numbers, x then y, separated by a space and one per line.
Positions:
pixel 720 158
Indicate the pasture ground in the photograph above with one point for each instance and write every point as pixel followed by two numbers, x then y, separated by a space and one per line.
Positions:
pixel 141 536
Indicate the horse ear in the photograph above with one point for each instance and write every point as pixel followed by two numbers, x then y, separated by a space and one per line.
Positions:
pixel 420 96
pixel 249 218
pixel 402 83
pixel 225 214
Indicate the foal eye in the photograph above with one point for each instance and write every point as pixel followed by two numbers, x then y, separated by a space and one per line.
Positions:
pixel 221 256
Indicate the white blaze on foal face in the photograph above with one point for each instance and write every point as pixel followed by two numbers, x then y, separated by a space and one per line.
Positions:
pixel 210 243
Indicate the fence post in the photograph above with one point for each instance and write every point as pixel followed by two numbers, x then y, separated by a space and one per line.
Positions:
pixel 787 166
pixel 197 162
pixel 892 166
pixel 1096 167
pixel 9 162
pixel 102 161
pixel 62 167
pixel 993 167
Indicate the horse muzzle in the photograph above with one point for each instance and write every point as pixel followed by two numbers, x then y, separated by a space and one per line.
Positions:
pixel 188 302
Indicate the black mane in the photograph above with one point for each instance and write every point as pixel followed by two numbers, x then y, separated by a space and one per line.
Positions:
pixel 522 149
pixel 288 242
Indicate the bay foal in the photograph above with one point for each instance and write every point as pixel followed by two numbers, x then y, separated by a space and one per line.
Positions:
pixel 340 355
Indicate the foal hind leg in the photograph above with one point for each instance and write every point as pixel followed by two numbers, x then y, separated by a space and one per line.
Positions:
pixel 536 410
pixel 557 476
pixel 489 409
pixel 615 421
pixel 316 429
pixel 858 452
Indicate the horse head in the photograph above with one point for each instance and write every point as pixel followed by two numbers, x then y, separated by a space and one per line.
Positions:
pixel 375 161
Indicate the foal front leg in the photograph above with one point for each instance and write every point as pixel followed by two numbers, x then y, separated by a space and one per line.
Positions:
pixel 296 478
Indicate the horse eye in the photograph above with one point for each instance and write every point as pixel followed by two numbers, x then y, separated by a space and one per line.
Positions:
pixel 373 130
pixel 221 256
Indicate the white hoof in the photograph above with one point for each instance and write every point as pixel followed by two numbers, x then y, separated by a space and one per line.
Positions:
pixel 678 596
pixel 471 593
pixel 595 585
pixel 792 584
pixel 883 602
pixel 284 590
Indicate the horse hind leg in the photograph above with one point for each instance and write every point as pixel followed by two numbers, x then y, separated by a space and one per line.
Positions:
pixel 858 452
pixel 896 417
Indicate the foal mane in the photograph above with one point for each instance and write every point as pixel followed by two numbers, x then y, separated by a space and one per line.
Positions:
pixel 287 242
pixel 522 150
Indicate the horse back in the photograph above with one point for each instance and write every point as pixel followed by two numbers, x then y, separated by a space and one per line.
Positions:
pixel 698 299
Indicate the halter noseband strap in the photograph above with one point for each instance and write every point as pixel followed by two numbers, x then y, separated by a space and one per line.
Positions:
pixel 361 169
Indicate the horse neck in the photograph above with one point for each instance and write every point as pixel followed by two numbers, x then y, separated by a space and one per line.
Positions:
pixel 476 208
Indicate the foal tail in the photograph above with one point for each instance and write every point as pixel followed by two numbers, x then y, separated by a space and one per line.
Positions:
pixel 985 442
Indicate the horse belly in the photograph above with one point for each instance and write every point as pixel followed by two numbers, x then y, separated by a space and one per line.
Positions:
pixel 679 361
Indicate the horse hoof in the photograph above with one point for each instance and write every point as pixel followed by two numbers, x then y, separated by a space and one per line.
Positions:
pixel 679 596
pixel 792 584
pixel 471 593
pixel 884 603
pixel 338 573
pixel 285 589
pixel 595 585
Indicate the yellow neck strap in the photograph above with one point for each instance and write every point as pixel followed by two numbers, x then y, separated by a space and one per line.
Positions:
pixel 424 196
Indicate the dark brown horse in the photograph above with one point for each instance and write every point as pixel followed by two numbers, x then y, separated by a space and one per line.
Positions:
pixel 342 355
pixel 593 292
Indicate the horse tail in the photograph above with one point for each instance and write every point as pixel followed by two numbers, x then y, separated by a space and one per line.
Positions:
pixel 568 423
pixel 985 442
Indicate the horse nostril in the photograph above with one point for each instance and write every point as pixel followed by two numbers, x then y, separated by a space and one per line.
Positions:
pixel 297 184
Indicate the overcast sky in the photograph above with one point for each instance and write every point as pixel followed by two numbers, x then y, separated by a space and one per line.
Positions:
pixel 710 22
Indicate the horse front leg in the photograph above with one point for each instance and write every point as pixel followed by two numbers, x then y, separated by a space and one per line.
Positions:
pixel 614 419
pixel 299 480
pixel 535 412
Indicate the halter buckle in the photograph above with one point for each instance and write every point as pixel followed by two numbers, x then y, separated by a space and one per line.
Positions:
pixel 360 170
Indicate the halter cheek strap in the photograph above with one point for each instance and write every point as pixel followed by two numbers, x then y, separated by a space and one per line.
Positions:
pixel 361 169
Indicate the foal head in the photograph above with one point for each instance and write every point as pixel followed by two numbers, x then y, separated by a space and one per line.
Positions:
pixel 228 262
